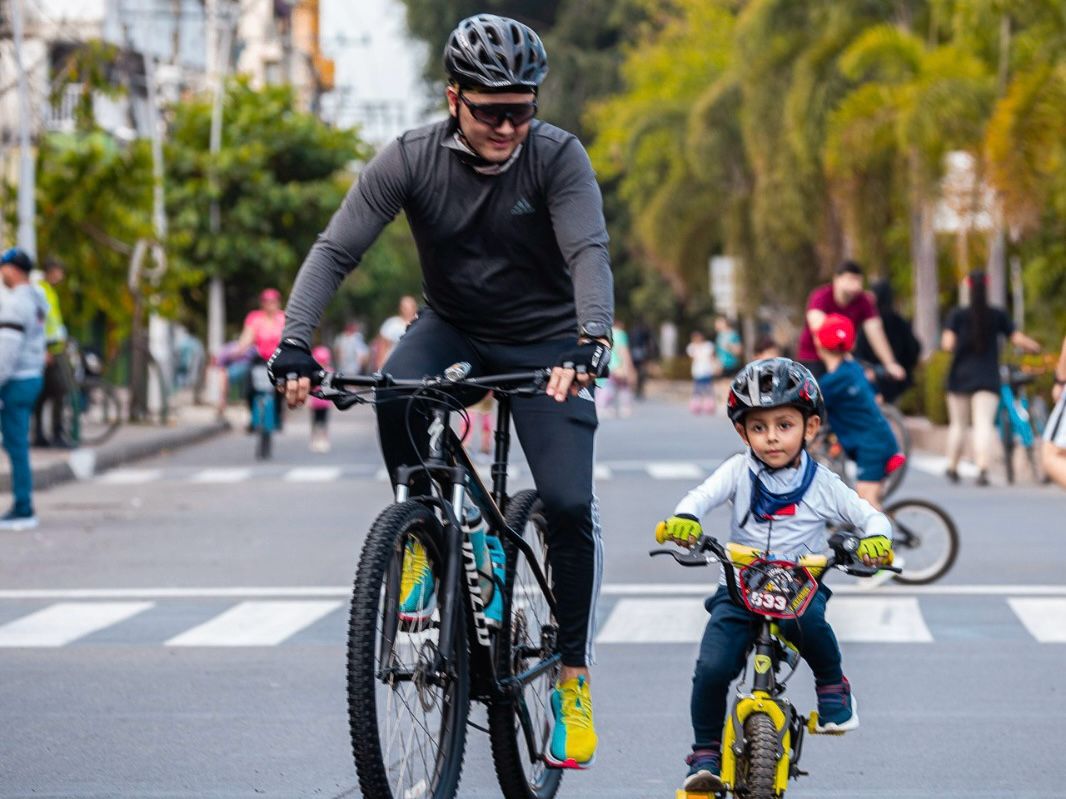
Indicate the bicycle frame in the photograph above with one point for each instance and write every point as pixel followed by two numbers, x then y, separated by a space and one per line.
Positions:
pixel 1017 407
pixel 450 467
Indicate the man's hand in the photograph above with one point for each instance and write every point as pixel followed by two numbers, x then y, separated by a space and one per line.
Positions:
pixel 290 369
pixel 578 367
pixel 682 529
pixel 896 372
pixel 876 550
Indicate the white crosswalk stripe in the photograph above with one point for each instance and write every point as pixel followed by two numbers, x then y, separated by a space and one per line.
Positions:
pixel 268 617
pixel 312 474
pixel 265 623
pixel 63 622
pixel 131 476
pixel 679 470
pixel 227 475
pixel 854 619
pixel 1044 618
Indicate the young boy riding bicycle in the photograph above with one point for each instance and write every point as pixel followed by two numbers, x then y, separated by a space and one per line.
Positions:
pixel 852 409
pixel 782 501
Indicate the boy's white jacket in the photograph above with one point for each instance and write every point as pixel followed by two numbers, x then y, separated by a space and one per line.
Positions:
pixel 827 499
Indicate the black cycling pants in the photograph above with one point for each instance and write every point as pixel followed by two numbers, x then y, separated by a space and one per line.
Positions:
pixel 557 438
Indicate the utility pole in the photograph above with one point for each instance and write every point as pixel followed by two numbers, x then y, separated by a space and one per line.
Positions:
pixel 219 38
pixel 27 212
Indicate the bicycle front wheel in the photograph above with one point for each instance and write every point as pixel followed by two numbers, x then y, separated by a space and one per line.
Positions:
pixel 407 717
pixel 925 538
pixel 757 766
pixel 521 725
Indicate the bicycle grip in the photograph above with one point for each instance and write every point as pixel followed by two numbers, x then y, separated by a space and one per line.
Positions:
pixel 660 533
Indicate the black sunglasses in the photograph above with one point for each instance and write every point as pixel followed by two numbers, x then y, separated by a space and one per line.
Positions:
pixel 494 114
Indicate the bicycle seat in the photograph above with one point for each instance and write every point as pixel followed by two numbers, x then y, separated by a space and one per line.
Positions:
pixel 1016 377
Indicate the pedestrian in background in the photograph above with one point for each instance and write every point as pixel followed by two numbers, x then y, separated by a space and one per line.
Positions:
pixel 22 313
pixel 704 368
pixel 1054 454
pixel 729 351
pixel 350 350
pixel 845 296
pixel 972 336
pixel 392 329
pixel 58 380
pixel 320 407
pixel 642 351
pixel 901 339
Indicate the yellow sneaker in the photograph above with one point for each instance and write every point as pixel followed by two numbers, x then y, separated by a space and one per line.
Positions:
pixel 573 743
pixel 418 589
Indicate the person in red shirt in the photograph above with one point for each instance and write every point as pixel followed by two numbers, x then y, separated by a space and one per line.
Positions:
pixel 845 296
pixel 262 332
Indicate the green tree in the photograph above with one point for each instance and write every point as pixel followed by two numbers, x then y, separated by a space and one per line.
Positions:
pixel 276 186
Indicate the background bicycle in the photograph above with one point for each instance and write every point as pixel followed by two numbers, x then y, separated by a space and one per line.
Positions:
pixel 1020 420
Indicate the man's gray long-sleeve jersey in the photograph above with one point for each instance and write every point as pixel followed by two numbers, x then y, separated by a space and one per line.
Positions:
pixel 514 257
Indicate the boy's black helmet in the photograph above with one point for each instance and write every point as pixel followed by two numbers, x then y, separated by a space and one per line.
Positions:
pixel 772 383
pixel 495 53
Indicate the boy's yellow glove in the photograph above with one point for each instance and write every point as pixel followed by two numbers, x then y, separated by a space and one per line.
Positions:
pixel 682 529
pixel 876 550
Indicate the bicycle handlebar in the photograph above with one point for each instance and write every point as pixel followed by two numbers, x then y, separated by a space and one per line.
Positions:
pixel 708 550
pixel 334 386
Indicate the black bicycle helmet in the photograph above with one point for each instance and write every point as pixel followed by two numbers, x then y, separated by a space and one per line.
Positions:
pixel 495 53
pixel 771 383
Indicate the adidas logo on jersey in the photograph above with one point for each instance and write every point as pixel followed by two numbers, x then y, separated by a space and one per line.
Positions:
pixel 521 207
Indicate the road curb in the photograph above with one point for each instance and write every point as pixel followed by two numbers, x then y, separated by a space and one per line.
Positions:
pixel 84 463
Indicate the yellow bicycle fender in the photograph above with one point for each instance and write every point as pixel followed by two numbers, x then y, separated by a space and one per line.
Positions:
pixel 759 702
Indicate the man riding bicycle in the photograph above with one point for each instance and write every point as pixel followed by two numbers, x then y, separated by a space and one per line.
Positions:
pixel 508 220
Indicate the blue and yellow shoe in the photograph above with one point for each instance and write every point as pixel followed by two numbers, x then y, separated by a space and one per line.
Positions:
pixel 573 743
pixel 838 712
pixel 418 589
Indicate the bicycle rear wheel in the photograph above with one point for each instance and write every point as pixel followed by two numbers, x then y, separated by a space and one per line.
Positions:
pixel 896 421
pixel 925 538
pixel 407 720
pixel 91 413
pixel 521 727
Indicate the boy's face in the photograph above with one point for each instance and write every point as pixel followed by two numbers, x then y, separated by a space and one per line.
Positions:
pixel 776 434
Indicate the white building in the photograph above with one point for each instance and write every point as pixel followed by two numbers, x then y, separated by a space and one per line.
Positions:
pixel 379 69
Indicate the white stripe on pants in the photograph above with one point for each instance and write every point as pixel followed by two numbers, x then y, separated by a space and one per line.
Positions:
pixel 980 407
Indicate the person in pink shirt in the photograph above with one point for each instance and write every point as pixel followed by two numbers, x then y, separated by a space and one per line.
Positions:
pixel 262 332
pixel 847 297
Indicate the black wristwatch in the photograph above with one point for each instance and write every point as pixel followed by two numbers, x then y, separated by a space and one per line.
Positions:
pixel 597 330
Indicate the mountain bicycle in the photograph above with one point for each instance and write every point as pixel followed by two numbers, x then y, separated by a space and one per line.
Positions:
pixel 763 737
pixel 410 684
pixel 264 412
pixel 1020 420
pixel 827 449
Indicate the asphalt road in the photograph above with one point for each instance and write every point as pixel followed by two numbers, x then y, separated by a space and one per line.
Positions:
pixel 132 665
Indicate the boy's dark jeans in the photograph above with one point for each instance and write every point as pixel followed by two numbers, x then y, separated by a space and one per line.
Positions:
pixel 731 630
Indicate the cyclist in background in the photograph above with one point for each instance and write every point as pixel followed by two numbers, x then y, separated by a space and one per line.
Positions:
pixel 852 410
pixel 508 220
pixel 262 333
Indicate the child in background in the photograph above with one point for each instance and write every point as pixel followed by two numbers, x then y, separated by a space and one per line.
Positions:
pixel 854 417
pixel 320 407
pixel 704 368
pixel 782 501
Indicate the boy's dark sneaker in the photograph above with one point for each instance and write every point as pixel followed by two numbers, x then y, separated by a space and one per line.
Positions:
pixel 837 709
pixel 704 771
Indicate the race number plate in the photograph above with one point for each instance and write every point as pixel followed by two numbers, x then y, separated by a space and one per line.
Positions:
pixel 777 588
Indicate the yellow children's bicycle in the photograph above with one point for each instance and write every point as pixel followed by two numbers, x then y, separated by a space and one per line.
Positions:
pixel 763 738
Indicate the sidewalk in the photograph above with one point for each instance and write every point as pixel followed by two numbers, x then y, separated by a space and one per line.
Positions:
pixel 188 424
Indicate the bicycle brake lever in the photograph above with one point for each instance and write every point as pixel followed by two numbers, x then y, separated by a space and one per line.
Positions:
pixel 690 559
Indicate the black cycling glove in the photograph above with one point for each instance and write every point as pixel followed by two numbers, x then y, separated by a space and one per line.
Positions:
pixel 591 358
pixel 292 360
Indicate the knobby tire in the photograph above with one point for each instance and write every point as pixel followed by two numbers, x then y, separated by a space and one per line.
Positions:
pixel 519 777
pixel 758 764
pixel 378 565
